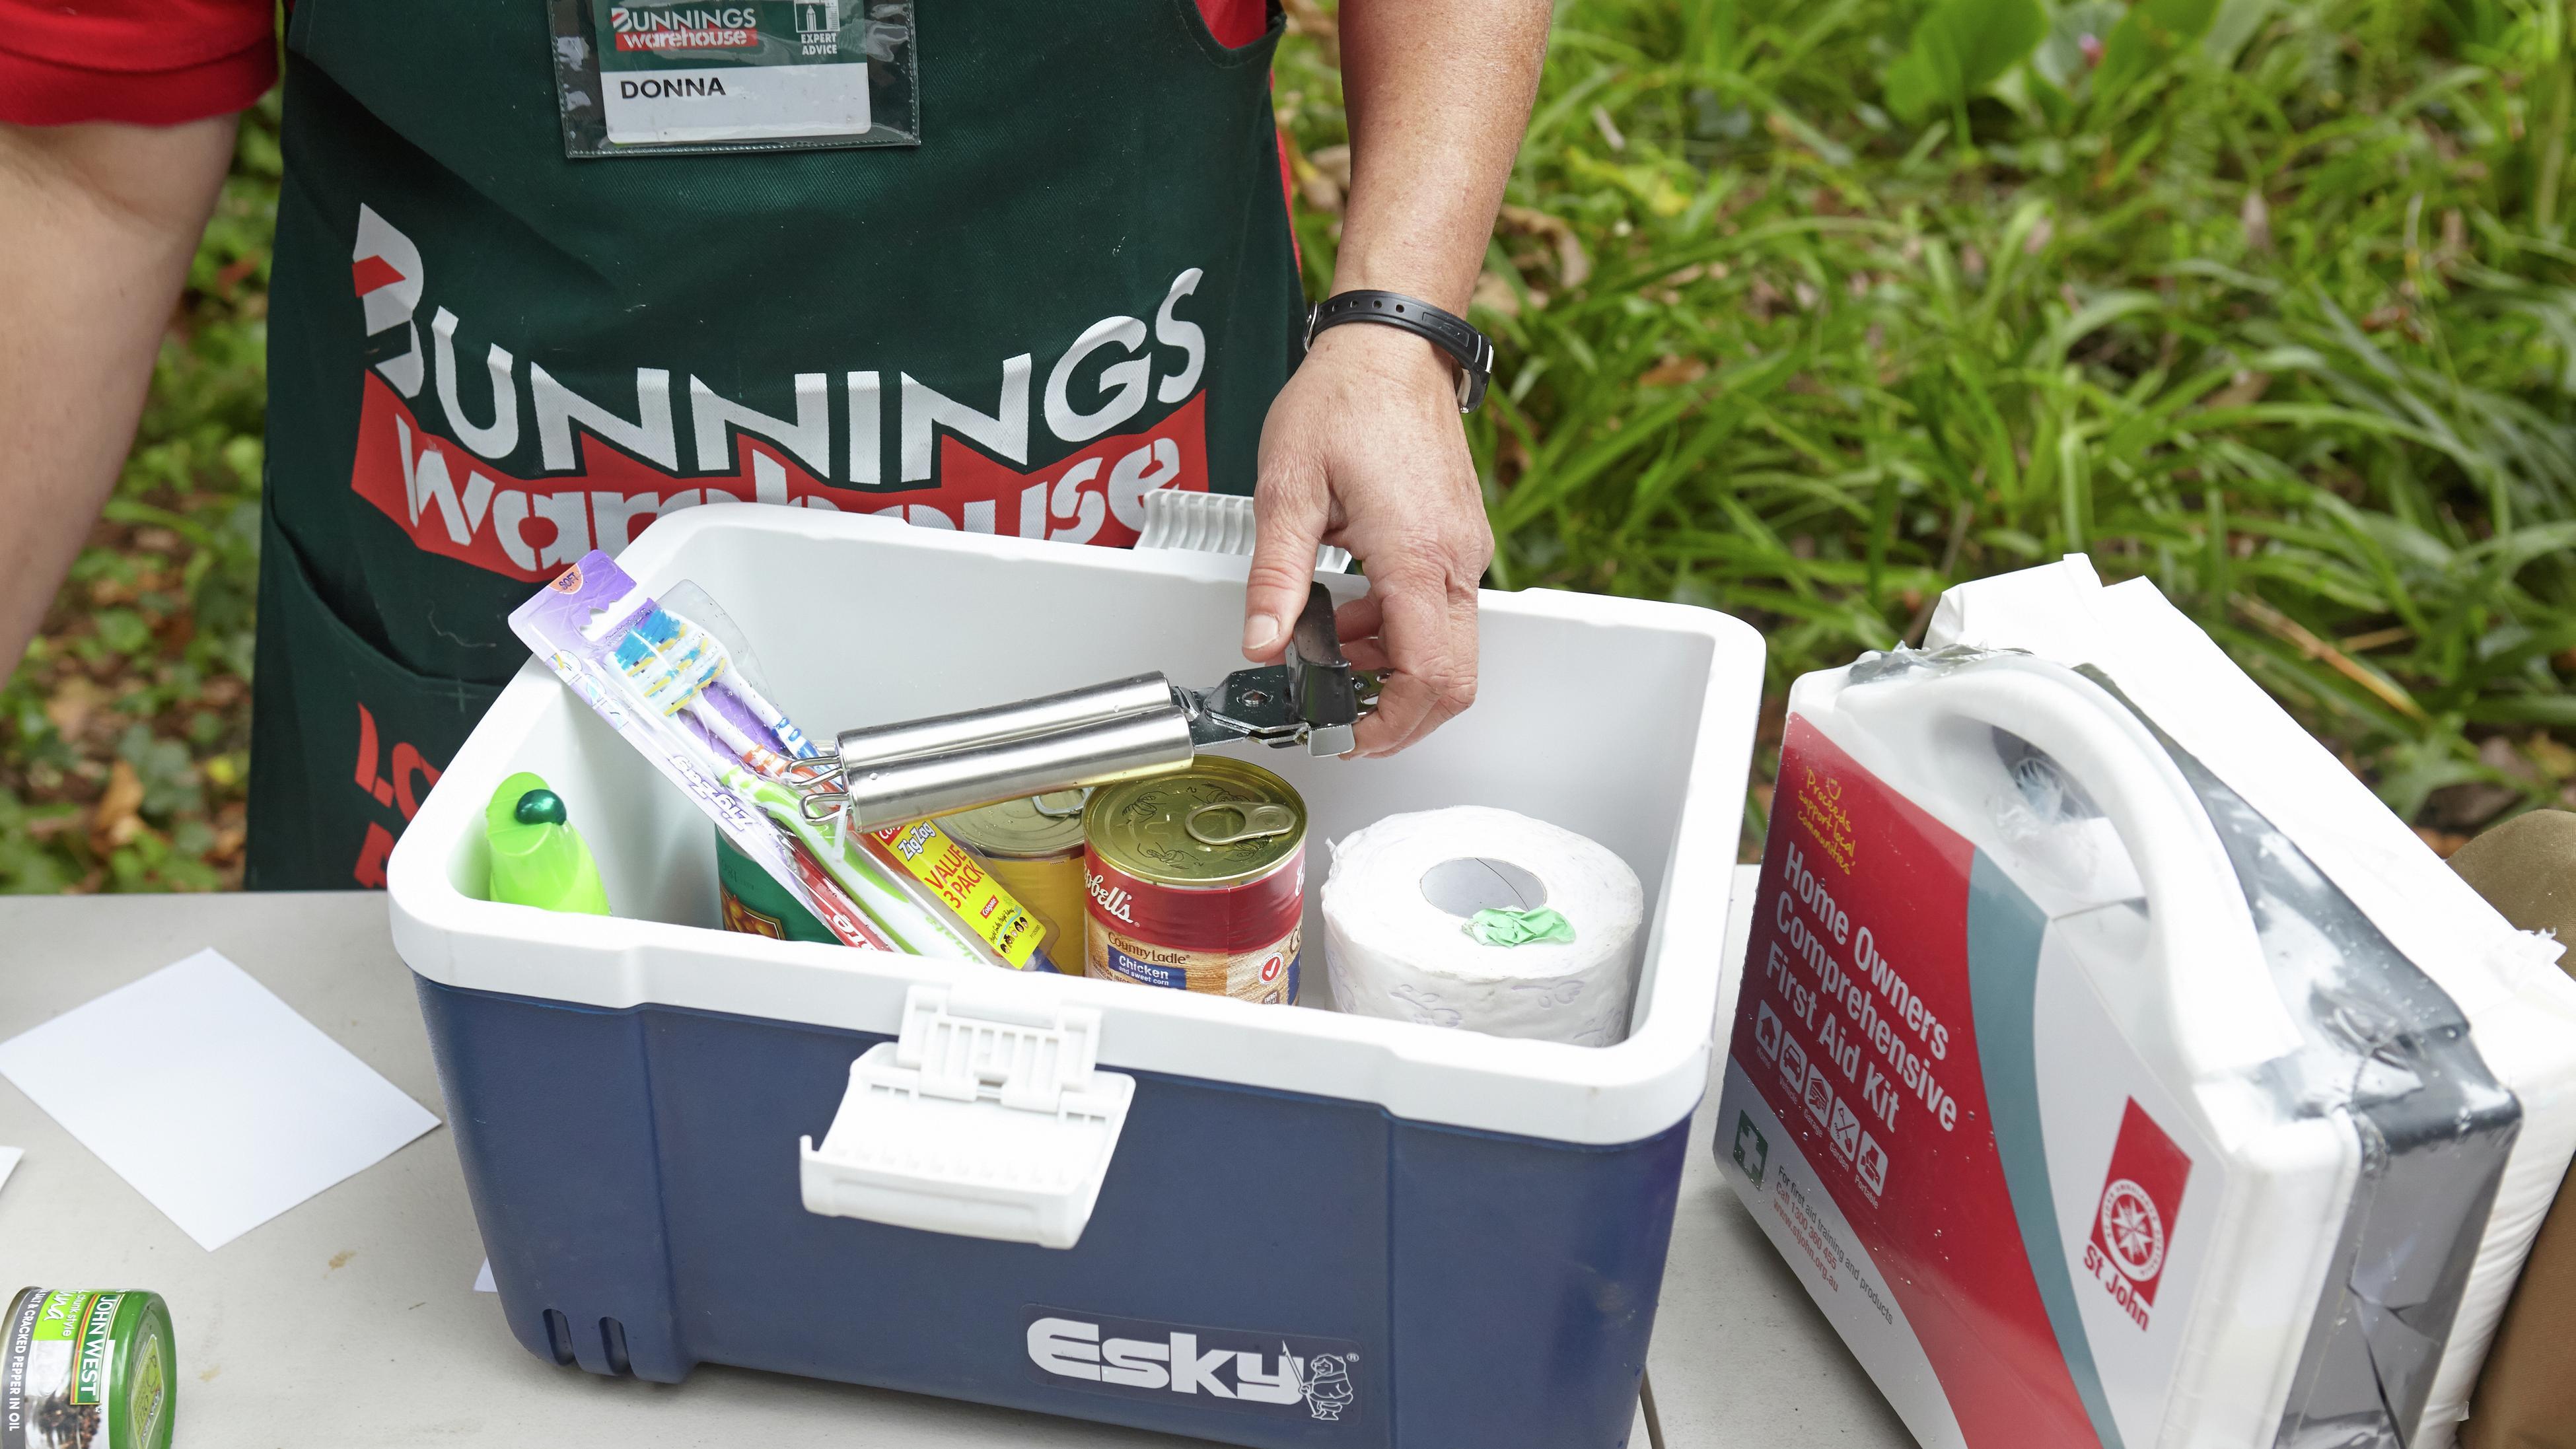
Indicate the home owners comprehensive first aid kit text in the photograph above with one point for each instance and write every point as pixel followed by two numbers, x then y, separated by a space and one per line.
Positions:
pixel 1164 1164
pixel 2112 1067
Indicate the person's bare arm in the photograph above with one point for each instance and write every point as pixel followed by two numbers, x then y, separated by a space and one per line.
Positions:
pixel 97 223
pixel 1364 449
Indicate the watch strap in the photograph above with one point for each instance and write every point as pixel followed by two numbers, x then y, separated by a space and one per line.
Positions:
pixel 1470 349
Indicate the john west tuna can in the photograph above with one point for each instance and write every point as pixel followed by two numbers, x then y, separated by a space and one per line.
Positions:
pixel 1197 881
pixel 86 1371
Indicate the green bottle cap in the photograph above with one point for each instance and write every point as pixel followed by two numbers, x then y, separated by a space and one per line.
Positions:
pixel 538 859
pixel 540 807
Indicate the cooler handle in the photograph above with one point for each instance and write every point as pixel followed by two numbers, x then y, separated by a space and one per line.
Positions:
pixel 985 1119
pixel 2199 926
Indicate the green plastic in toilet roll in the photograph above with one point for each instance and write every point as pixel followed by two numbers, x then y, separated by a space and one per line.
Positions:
pixel 1519 928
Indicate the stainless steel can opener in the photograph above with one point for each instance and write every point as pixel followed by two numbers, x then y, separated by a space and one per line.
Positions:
pixel 1145 725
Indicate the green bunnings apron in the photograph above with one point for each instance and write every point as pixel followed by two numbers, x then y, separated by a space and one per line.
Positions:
pixel 487 359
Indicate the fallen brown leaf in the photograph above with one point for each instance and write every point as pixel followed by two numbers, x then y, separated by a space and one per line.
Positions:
pixel 74 701
pixel 1494 293
pixel 2290 631
pixel 1573 264
pixel 2242 390
pixel 2256 217
pixel 2555 759
pixel 1673 372
pixel 117 818
pixel 2444 843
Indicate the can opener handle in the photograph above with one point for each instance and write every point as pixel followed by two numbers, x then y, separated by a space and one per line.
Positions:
pixel 892 774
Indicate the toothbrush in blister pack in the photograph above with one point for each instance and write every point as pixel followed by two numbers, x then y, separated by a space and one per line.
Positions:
pixel 674 678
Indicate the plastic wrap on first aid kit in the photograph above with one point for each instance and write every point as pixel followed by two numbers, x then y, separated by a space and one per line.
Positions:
pixel 2112 1066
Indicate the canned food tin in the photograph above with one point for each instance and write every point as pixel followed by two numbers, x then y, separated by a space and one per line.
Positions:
pixel 749 901
pixel 1197 881
pixel 1034 847
pixel 86 1371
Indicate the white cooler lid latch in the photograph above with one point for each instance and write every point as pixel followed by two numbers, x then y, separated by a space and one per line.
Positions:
pixel 986 1119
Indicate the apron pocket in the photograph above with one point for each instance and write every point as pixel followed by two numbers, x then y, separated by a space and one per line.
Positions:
pixel 345 742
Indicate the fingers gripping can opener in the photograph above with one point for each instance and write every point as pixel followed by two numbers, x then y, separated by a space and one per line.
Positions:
pixel 1146 725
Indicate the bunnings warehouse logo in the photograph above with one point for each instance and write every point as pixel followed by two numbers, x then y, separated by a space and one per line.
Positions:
pixel 1283 1375
pixel 690 27
pixel 472 446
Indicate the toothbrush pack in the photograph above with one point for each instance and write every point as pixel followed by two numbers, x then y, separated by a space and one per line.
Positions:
pixel 677 682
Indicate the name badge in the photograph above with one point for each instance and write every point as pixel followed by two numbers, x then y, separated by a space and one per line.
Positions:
pixel 720 75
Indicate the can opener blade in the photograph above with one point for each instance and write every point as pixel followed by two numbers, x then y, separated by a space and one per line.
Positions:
pixel 1312 696
pixel 893 774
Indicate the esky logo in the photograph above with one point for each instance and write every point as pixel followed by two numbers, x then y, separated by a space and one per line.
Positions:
pixel 1282 1375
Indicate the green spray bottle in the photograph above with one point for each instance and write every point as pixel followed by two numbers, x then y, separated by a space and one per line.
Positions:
pixel 538 859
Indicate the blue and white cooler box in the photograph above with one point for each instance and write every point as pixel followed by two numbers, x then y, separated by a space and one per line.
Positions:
pixel 1260 1225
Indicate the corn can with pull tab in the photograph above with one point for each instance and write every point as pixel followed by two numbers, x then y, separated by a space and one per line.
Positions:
pixel 1033 846
pixel 1197 881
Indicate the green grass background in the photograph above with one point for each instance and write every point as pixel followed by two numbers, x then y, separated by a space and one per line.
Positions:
pixel 2272 301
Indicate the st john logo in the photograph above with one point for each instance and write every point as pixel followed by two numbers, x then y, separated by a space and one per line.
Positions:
pixel 1283 1375
pixel 2133 1222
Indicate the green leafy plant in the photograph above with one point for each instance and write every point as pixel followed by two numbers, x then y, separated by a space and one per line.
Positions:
pixel 2278 311
pixel 1958 49
pixel 2280 316
pixel 2152 32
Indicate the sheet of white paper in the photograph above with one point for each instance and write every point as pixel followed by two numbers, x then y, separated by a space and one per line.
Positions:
pixel 483 1281
pixel 9 1163
pixel 211 1096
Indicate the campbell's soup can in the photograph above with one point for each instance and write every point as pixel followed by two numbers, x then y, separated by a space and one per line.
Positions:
pixel 1197 881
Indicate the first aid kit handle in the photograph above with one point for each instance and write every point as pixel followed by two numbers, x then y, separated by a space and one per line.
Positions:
pixel 2225 1014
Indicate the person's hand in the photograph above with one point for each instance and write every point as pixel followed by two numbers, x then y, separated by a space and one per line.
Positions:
pixel 1363 450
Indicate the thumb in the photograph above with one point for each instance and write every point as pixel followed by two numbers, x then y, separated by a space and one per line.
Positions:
pixel 1289 510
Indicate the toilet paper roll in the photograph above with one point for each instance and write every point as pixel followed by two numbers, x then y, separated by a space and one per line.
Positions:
pixel 1396 906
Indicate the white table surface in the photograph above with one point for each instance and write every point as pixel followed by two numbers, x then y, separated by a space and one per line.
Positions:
pixel 351 1319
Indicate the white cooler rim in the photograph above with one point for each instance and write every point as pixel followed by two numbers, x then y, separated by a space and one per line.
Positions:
pixel 1593 1096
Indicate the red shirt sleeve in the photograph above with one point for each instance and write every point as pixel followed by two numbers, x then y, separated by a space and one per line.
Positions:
pixel 162 62
pixel 147 62
pixel 1236 23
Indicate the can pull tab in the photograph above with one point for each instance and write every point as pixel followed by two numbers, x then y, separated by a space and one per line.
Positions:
pixel 1252 821
pixel 1061 804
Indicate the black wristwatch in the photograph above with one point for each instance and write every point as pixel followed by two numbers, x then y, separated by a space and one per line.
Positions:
pixel 1472 350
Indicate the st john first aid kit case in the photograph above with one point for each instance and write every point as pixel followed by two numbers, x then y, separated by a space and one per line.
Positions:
pixel 2112 1067
pixel 1287 1225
